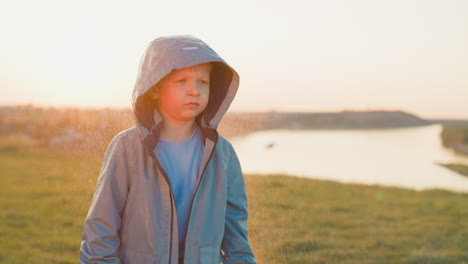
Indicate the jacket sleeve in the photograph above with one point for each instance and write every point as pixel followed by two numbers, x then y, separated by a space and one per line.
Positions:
pixel 235 243
pixel 100 240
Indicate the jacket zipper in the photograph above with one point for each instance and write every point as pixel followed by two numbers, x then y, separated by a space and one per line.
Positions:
pixel 195 193
pixel 171 193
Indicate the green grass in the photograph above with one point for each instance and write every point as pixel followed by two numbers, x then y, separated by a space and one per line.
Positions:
pixel 309 221
pixel 455 136
pixel 45 194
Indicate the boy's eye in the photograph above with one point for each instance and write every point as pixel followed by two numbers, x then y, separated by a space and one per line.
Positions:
pixel 181 81
pixel 204 81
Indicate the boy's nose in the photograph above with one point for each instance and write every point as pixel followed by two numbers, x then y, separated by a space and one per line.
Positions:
pixel 192 89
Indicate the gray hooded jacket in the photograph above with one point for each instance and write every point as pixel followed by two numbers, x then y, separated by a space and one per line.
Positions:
pixel 132 218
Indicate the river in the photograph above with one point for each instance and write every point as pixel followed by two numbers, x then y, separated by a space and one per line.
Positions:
pixel 404 157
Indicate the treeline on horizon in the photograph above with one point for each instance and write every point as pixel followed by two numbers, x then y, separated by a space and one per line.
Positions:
pixel 86 129
pixel 68 128
pixel 92 129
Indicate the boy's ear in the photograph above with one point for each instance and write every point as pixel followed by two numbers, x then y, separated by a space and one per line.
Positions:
pixel 154 93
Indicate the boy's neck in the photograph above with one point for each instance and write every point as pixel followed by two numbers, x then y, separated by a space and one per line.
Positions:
pixel 177 131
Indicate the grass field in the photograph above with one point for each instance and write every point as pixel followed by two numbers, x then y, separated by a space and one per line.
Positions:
pixel 455 136
pixel 45 194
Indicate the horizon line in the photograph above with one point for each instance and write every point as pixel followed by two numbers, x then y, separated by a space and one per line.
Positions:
pixel 239 110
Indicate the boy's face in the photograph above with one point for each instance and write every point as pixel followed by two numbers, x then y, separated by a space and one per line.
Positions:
pixel 183 94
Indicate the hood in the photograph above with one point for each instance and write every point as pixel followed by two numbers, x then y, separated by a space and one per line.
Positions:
pixel 166 54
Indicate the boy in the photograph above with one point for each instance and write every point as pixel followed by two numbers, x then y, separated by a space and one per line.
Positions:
pixel 171 189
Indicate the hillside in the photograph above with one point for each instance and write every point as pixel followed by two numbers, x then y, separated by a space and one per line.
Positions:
pixel 92 129
pixel 455 136
pixel 248 122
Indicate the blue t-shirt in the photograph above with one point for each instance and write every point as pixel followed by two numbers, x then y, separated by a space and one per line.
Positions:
pixel 181 161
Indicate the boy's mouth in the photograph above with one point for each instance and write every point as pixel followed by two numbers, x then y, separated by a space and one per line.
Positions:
pixel 192 103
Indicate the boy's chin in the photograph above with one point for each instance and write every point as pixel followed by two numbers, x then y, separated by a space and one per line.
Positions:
pixel 185 116
pixel 189 117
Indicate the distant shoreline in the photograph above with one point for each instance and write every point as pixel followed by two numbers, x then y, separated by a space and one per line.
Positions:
pixel 235 124
pixel 91 128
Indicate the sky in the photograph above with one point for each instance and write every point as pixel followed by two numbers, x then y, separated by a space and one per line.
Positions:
pixel 310 56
